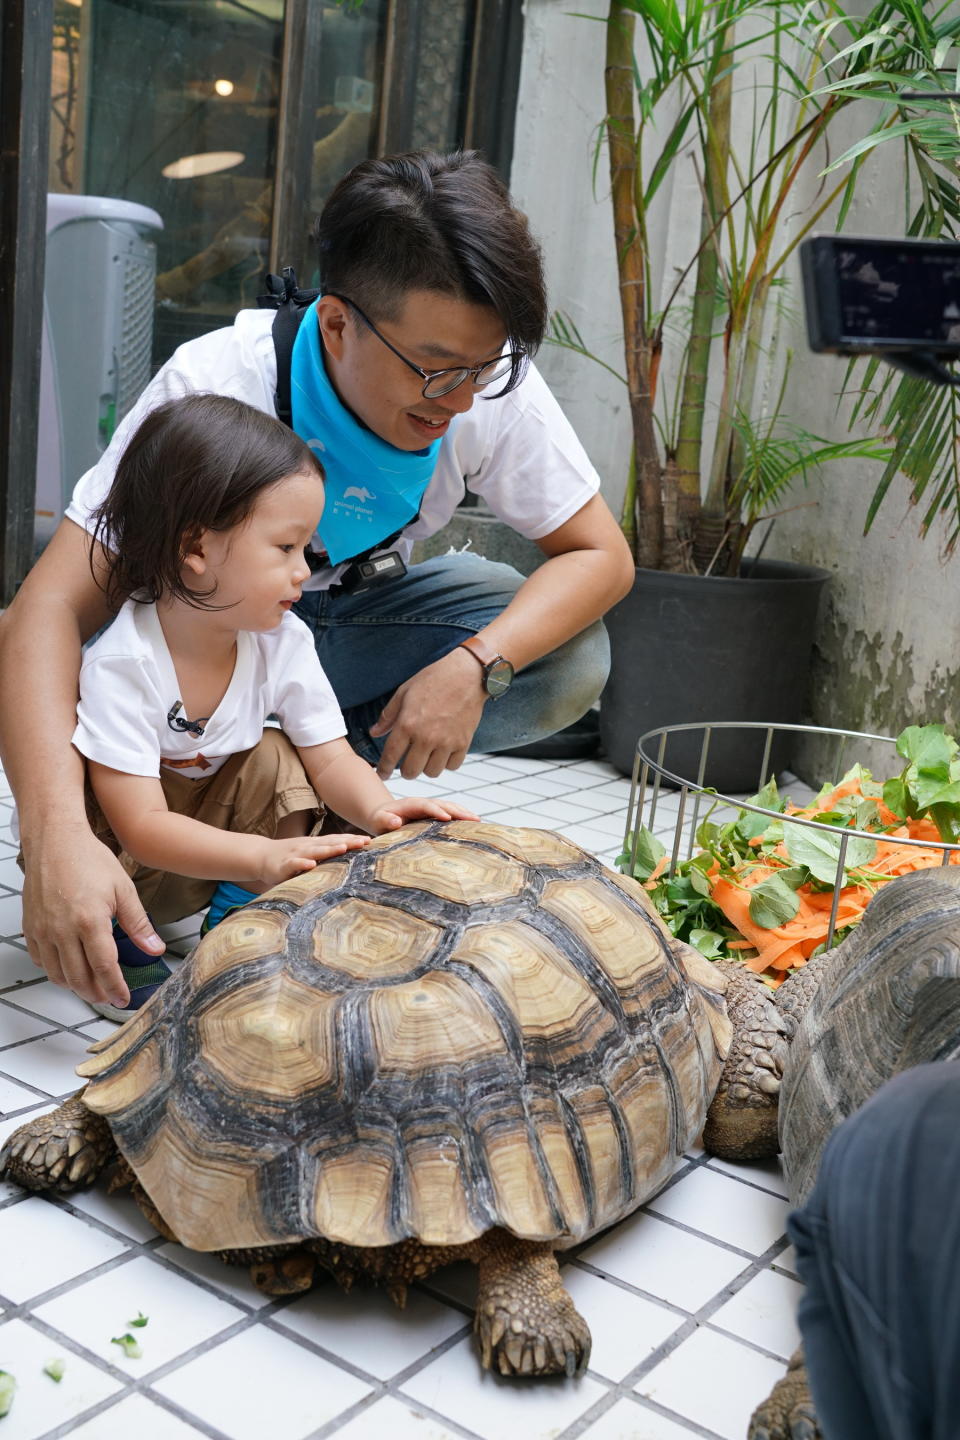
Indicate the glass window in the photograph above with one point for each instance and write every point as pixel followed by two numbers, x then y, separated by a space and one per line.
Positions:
pixel 192 143
pixel 442 74
pixel 174 104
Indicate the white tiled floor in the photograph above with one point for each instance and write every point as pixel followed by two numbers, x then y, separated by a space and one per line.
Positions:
pixel 690 1301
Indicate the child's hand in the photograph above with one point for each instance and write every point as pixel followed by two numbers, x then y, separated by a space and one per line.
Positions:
pixel 284 858
pixel 415 807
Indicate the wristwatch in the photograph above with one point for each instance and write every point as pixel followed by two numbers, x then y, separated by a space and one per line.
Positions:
pixel 497 672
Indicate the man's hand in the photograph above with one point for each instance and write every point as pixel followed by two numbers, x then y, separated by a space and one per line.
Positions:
pixel 431 718
pixel 282 859
pixel 73 888
pixel 416 807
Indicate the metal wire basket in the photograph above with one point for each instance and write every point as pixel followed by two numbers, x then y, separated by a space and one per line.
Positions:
pixel 650 771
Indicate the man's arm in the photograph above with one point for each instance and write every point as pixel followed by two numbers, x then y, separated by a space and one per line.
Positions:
pixel 73 885
pixel 431 719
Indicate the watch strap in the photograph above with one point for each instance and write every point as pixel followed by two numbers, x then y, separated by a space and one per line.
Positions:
pixel 483 652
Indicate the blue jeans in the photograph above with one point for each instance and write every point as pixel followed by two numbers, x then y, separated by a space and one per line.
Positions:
pixel 370 643
pixel 878 1249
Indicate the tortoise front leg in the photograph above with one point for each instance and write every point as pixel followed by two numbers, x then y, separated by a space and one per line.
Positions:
pixel 62 1151
pixel 526 1323
pixel 787 1413
pixel 742 1119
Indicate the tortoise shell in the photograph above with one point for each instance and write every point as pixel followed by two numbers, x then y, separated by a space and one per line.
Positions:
pixel 462 1026
pixel 886 999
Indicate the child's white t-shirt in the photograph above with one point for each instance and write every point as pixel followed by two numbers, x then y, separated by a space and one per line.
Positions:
pixel 128 688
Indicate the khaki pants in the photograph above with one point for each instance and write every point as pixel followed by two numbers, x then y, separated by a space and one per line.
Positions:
pixel 249 795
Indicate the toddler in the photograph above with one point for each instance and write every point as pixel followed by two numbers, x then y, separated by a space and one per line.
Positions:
pixel 200 544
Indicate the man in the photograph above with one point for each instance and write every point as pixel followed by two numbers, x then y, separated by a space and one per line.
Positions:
pixel 410 378
pixel 878 1250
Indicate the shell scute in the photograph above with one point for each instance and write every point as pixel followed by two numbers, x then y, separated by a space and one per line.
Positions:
pixel 461 873
pixel 275 1038
pixel 367 941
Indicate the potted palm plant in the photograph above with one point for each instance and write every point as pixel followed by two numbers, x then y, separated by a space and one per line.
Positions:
pixel 744 91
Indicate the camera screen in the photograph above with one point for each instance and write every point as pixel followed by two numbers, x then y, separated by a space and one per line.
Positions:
pixel 868 294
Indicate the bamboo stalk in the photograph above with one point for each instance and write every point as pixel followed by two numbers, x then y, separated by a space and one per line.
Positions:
pixel 713 518
pixel 697 363
pixel 751 366
pixel 631 269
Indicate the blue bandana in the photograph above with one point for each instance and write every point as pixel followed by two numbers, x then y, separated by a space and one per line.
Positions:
pixel 373 489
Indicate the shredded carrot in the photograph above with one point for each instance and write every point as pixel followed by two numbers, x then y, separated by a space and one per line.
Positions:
pixel 786 947
pixel 651 882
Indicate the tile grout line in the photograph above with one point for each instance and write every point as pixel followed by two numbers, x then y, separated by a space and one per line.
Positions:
pixel 267 1315
pixel 695 1320
pixel 642 1403
pixel 103 1407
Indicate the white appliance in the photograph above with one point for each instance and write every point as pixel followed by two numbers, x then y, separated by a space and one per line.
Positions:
pixel 98 300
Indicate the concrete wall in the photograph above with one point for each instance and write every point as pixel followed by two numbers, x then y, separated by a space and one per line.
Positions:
pixel 888 648
pixel 560 107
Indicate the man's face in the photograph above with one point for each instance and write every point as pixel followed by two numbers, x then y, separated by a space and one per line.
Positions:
pixel 436 332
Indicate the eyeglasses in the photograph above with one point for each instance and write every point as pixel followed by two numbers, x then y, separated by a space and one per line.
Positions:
pixel 441 382
pixel 191 727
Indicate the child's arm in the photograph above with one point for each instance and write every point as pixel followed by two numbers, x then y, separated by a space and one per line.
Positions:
pixel 354 790
pixel 136 809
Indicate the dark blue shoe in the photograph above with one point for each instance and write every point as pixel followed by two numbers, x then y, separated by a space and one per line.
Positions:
pixel 142 974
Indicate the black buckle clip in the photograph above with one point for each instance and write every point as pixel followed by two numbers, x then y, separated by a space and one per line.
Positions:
pixel 364 574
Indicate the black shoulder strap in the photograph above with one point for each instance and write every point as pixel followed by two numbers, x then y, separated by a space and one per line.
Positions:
pixel 291 304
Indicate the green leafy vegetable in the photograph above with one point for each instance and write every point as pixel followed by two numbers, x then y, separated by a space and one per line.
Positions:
pixel 140 1321
pixel 820 852
pixel 930 783
pixel 780 870
pixel 8 1386
pixel 708 942
pixel 55 1369
pixel 773 903
pixel 649 853
pixel 128 1345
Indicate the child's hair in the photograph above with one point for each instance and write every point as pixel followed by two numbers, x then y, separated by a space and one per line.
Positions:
pixel 193 464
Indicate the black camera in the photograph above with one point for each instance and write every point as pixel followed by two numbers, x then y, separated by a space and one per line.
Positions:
pixel 363 574
pixel 897 299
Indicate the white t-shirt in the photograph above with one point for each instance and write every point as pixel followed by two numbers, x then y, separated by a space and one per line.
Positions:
pixel 518 453
pixel 128 687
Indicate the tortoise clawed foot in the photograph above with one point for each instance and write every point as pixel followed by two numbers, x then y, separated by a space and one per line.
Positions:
pixel 554 1343
pixel 289 1274
pixel 787 1414
pixel 526 1323
pixel 63 1151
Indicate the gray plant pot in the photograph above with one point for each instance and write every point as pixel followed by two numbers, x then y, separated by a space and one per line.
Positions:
pixel 688 648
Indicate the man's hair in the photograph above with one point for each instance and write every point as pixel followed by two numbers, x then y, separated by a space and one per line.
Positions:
pixel 193 464
pixel 426 221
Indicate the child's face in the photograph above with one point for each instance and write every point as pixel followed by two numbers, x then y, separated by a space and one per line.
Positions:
pixel 259 566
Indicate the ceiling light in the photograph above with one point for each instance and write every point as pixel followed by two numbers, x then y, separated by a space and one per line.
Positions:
pixel 208 163
pixel 223 87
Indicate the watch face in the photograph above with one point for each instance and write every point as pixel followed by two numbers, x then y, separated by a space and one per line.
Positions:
pixel 499 676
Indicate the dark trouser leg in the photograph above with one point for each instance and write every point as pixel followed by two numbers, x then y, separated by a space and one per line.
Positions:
pixel 369 644
pixel 878 1247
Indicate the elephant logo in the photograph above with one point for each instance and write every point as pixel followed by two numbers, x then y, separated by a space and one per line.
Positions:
pixel 359 492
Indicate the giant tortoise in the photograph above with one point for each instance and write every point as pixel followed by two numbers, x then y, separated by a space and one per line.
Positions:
pixel 884 1000
pixel 466 1041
